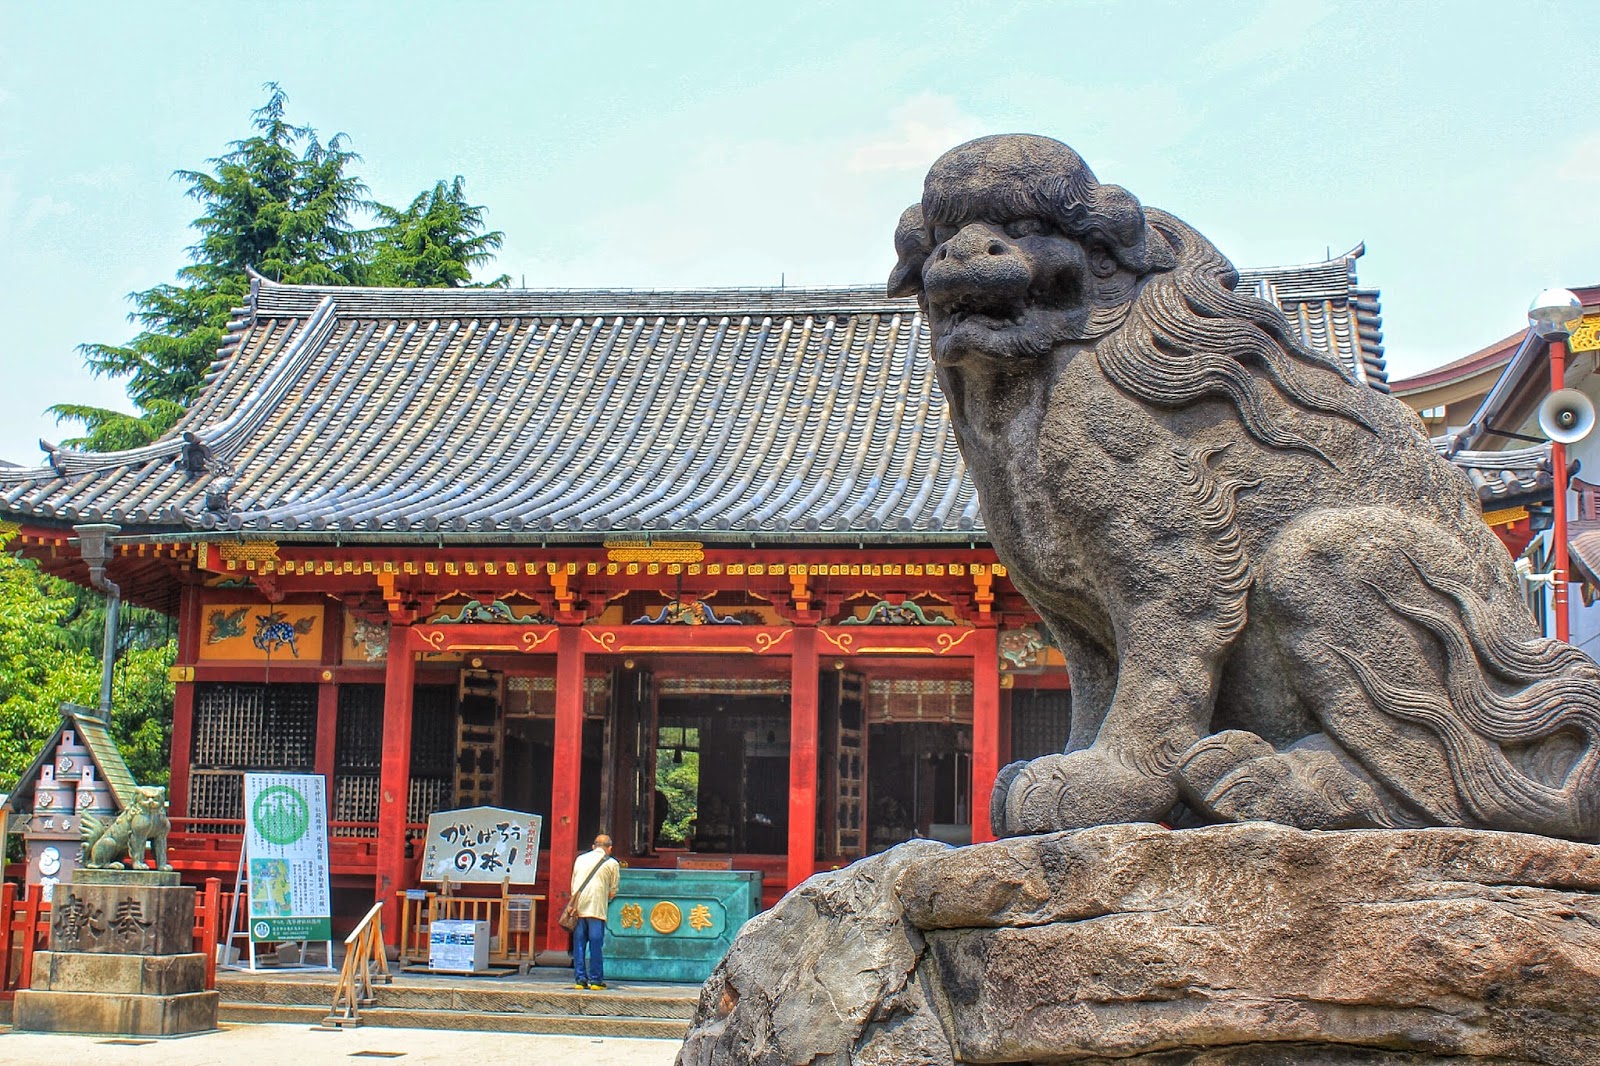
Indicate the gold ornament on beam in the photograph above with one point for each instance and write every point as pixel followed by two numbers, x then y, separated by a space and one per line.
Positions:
pixel 1586 335
pixel 661 551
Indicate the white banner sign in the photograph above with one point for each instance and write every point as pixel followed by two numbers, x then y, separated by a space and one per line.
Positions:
pixel 483 844
pixel 286 845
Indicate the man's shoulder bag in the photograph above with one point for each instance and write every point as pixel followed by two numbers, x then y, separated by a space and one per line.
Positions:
pixel 568 919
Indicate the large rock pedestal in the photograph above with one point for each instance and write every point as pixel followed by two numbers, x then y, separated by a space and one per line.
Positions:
pixel 1233 945
pixel 121 960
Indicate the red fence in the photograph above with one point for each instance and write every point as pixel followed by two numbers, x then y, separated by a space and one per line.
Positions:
pixel 25 928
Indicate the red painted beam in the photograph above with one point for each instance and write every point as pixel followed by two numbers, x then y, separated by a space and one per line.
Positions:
pixel 985 727
pixel 567 777
pixel 394 779
pixel 182 749
pixel 802 756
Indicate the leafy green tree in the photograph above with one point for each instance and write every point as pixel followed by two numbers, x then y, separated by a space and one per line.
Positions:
pixel 46 660
pixel 435 242
pixel 141 710
pixel 283 203
pixel 280 202
pixel 680 783
pixel 37 671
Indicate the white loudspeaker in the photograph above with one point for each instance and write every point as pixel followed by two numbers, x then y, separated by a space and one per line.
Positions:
pixel 1566 416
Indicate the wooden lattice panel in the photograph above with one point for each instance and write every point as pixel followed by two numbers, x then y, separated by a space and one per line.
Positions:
pixel 216 794
pixel 905 699
pixel 355 799
pixel 358 735
pixel 534 696
pixel 1040 721
pixel 255 727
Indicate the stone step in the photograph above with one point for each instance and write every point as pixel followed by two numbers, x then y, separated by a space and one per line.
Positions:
pixel 608 1025
pixel 513 997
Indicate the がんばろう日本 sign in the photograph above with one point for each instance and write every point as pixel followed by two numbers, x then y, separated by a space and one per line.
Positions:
pixel 483 844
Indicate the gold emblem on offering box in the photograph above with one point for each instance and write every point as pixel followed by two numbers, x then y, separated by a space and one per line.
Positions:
pixel 632 916
pixel 665 917
pixel 700 917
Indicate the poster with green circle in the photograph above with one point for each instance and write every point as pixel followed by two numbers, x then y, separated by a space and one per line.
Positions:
pixel 286 842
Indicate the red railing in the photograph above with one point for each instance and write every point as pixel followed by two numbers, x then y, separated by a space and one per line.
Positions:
pixel 25 929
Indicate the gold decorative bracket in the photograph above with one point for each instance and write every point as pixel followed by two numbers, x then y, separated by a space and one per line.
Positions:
pixel 983 589
pixel 661 551
pixel 798 591
pixel 561 582
pixel 1586 337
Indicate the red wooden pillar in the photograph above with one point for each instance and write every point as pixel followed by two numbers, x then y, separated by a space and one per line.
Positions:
pixel 183 703
pixel 803 756
pixel 567 776
pixel 182 747
pixel 327 733
pixel 394 781
pixel 985 727
pixel 328 700
pixel 1558 500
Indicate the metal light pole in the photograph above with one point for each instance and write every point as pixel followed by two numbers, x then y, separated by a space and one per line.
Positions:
pixel 1552 315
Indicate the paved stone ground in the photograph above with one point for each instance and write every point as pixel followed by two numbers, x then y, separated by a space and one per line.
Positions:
pixel 304 1046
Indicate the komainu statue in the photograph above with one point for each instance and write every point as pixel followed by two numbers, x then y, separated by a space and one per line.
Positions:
pixel 142 825
pixel 1276 601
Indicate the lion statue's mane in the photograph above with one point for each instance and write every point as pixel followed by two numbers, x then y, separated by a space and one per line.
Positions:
pixel 1326 587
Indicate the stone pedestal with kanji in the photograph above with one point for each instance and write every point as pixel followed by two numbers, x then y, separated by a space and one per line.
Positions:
pixel 121 960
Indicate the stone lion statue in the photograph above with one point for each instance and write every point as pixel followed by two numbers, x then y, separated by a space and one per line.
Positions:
pixel 1276 601
pixel 143 823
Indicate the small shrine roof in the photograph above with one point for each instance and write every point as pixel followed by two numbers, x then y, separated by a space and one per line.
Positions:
pixel 496 414
pixel 95 734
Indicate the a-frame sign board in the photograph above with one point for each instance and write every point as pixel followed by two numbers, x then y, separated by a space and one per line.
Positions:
pixel 283 873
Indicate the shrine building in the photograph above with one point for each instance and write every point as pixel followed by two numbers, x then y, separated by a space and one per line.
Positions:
pixel 451 547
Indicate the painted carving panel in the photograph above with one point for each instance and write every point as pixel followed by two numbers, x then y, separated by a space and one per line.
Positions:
pixel 256 632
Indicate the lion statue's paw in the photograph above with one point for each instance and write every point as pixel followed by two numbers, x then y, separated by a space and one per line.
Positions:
pixel 1238 777
pixel 1081 789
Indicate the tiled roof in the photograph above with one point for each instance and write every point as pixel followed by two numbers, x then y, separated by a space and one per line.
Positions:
pixel 505 414
pixel 1503 479
pixel 1331 312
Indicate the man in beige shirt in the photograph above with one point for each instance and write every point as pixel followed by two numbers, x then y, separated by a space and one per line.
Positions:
pixel 594 885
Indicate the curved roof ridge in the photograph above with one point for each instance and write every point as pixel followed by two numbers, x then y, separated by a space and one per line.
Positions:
pixel 258 404
pixel 270 296
pixel 1341 260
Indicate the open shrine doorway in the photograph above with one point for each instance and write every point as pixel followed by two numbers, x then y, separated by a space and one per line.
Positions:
pixel 720 765
pixel 919 780
pixel 489 739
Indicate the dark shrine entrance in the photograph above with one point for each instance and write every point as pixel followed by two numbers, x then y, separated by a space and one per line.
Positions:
pixel 742 793
pixel 699 763
pixel 919 779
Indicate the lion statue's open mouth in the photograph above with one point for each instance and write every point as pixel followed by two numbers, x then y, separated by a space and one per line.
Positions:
pixel 1275 599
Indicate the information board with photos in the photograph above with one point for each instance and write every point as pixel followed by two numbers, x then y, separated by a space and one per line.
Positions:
pixel 286 847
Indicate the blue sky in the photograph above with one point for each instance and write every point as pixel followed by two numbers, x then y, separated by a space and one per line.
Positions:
pixel 673 145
